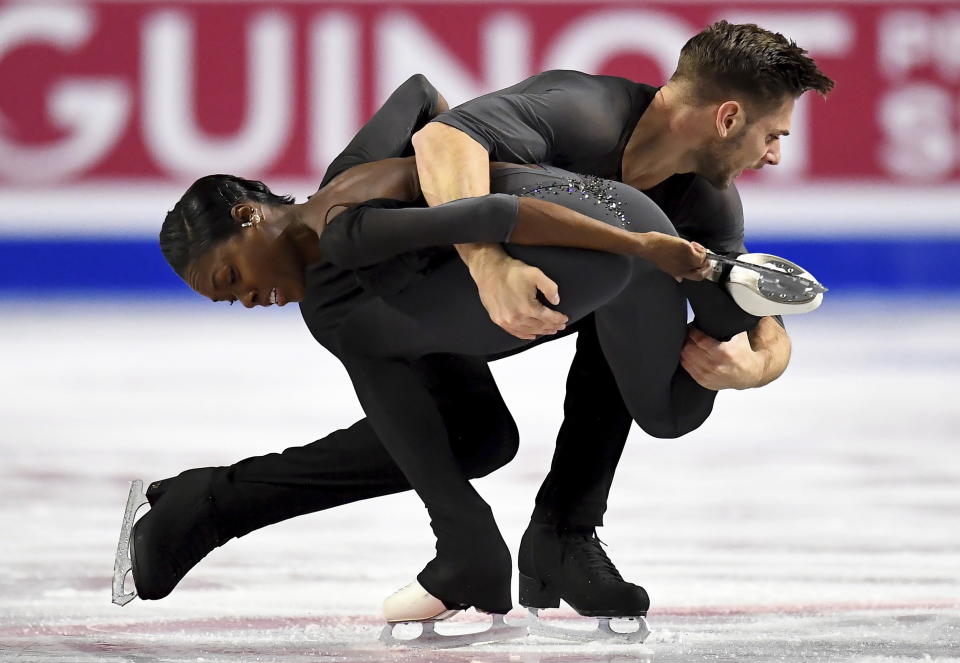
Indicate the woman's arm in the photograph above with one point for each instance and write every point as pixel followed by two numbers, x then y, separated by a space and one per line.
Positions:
pixel 387 134
pixel 373 232
pixel 542 223
pixel 369 234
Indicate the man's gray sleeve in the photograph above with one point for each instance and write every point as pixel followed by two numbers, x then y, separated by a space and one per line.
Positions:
pixel 555 117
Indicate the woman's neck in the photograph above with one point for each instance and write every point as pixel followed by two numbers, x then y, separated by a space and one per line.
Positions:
pixel 295 223
pixel 307 241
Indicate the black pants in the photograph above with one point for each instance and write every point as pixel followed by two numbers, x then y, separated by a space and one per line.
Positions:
pixel 604 395
pixel 439 417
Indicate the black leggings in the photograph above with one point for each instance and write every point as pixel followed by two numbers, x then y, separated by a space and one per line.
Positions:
pixel 378 344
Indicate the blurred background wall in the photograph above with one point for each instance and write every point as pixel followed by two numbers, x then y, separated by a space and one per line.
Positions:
pixel 110 109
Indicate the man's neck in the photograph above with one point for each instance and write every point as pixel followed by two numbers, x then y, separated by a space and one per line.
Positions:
pixel 661 144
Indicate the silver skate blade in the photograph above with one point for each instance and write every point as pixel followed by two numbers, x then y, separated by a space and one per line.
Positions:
pixel 604 632
pixel 792 281
pixel 122 564
pixel 429 638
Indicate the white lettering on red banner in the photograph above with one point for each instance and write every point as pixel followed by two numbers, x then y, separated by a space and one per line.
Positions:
pixel 166 91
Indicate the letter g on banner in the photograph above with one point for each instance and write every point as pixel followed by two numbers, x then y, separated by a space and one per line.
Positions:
pixel 93 113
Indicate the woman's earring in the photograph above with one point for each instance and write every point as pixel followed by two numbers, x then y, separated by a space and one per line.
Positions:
pixel 254 220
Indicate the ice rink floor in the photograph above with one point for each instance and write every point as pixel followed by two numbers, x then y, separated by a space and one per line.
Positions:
pixel 817 519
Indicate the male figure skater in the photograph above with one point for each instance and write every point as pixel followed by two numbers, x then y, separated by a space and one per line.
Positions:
pixel 724 110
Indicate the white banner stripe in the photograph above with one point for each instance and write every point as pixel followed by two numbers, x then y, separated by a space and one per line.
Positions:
pixel 787 4
pixel 137 210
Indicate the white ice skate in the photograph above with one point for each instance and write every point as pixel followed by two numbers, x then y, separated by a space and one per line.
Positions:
pixel 122 564
pixel 629 630
pixel 415 605
pixel 763 284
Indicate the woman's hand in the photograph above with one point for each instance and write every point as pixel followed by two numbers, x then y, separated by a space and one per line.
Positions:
pixel 677 257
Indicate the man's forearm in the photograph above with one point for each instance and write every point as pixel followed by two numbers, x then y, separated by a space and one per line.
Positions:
pixel 451 165
pixel 772 342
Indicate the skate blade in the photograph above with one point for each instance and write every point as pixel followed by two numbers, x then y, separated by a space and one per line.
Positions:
pixel 793 283
pixel 603 633
pixel 498 631
pixel 122 564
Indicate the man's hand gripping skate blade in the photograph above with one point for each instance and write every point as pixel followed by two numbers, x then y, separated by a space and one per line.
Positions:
pixel 413 605
pixel 123 564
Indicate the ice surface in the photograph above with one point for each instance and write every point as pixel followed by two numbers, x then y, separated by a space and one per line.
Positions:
pixel 817 519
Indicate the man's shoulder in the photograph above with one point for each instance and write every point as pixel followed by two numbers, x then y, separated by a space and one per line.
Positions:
pixel 601 104
pixel 561 77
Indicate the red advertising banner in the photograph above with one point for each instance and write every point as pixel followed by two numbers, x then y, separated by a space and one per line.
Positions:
pixel 165 91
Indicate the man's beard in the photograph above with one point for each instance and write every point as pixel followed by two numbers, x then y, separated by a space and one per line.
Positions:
pixel 714 162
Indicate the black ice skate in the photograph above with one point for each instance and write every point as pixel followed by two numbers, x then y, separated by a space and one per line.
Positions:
pixel 570 564
pixel 169 540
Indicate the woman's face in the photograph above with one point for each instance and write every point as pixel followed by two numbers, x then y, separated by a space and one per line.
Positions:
pixel 259 266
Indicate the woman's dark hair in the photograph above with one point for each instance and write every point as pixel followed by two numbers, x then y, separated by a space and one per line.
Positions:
pixel 202 218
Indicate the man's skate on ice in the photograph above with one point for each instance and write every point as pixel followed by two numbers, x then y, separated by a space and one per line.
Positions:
pixel 681 144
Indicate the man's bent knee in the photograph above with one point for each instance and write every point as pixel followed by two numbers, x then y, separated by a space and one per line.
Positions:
pixel 490 452
pixel 671 426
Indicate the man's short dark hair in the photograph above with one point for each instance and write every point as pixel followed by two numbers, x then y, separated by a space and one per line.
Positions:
pixel 202 217
pixel 744 59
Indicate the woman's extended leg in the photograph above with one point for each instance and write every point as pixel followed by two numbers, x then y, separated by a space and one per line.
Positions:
pixel 200 509
pixel 642 331
pixel 351 465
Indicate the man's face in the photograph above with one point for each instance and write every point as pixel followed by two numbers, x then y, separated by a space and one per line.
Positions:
pixel 258 266
pixel 754 146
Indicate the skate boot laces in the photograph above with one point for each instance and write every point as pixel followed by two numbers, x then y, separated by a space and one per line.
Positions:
pixel 590 549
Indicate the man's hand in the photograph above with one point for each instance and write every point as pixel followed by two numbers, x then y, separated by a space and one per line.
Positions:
pixel 508 290
pixel 718 365
pixel 677 257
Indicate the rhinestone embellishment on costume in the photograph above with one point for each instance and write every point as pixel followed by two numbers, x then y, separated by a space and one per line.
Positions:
pixel 587 187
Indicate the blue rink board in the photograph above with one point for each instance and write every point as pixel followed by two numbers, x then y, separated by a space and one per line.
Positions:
pixel 41 267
